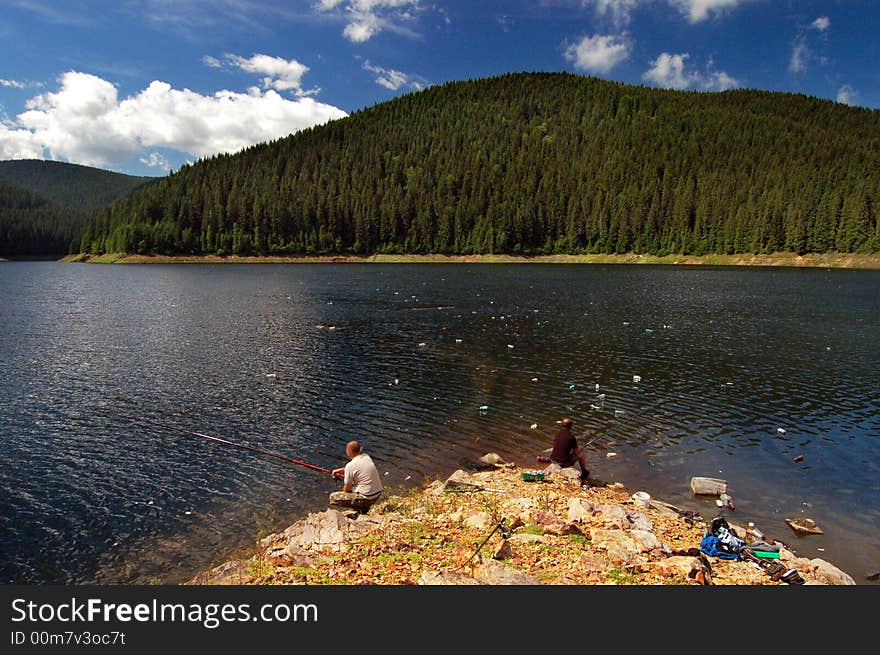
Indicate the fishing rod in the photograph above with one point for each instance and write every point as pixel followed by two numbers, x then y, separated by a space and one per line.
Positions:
pixel 136 419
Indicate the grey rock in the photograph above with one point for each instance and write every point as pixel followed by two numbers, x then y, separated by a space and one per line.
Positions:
pixel 460 481
pixel 619 545
pixel 580 509
pixel 526 537
pixel 495 573
pixel 446 578
pixel 645 540
pixel 830 572
pixel 492 458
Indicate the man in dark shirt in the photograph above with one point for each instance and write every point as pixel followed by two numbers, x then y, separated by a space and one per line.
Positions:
pixel 566 451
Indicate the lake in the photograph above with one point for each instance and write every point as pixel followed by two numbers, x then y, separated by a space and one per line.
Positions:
pixel 680 371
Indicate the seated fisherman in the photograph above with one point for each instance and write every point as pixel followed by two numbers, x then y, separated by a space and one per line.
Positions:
pixel 361 486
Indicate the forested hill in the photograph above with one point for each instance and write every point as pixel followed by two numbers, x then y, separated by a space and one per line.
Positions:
pixel 530 164
pixel 30 225
pixel 81 188
pixel 44 204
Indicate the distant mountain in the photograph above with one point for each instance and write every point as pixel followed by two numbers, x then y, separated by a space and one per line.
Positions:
pixel 81 188
pixel 531 163
pixel 30 225
pixel 44 204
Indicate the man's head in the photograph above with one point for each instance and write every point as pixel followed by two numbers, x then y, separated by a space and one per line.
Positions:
pixel 352 449
pixel 566 422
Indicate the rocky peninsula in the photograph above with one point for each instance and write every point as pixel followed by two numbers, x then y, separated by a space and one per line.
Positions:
pixel 506 526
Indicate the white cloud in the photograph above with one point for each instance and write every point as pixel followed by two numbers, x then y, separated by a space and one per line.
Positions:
pixel 669 71
pixel 16 143
pixel 800 54
pixel 618 11
pixel 598 53
pixel 156 160
pixel 699 10
pixel 213 62
pixel 281 74
pixel 394 79
pixel 86 122
pixel 847 95
pixel 15 84
pixel 366 18
pixel 822 23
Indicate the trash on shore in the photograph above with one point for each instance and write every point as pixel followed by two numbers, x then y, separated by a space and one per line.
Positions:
pixel 702 486
pixel 804 526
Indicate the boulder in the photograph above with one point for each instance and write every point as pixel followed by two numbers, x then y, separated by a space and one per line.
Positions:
pixel 665 508
pixel 645 540
pixel 619 545
pixel 701 486
pixel 495 573
pixel 326 530
pixel 492 458
pixel 446 578
pixel 580 509
pixel 830 572
pixel 503 550
pixel 591 561
pixel 683 566
pixel 526 537
pixel 479 520
pixel 623 518
pixel 289 555
pixel 460 481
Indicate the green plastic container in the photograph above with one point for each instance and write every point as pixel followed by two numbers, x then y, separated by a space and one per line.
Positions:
pixel 532 476
pixel 766 554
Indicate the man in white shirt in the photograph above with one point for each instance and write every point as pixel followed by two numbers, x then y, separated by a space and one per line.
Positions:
pixel 361 485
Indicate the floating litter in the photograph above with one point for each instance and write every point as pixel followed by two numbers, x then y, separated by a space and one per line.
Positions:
pixel 534 379
pixel 648 330
pixel 422 344
pixel 780 430
pixel 407 478
pixel 637 378
pixel 592 406
pixel 610 455
pixel 396 381
pixel 719 502
pixel 458 341
pixel 534 426
pixel 187 512
pixel 386 472
pixel 509 346
pixel 618 412
pixel 601 396
pixel 626 322
pixel 597 386
pixel 270 375
pixel 571 387
pixel 483 408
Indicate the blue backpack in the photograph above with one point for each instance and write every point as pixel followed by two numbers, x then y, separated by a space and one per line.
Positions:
pixel 721 541
pixel 714 547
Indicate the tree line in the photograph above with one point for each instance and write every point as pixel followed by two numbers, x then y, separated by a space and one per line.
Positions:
pixel 531 163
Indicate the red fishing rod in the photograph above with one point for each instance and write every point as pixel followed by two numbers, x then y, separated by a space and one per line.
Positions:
pixel 145 421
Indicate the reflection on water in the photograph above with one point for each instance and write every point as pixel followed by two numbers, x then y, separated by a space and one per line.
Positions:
pixel 723 372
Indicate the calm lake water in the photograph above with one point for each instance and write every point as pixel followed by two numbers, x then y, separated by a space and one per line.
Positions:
pixel 741 371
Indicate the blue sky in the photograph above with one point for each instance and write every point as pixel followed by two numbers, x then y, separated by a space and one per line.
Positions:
pixel 143 86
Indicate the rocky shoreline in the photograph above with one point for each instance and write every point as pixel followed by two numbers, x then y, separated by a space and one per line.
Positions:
pixel 777 259
pixel 499 527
